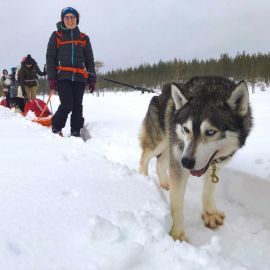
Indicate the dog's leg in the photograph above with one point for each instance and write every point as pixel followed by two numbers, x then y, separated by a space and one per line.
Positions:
pixel 178 181
pixel 162 169
pixel 145 158
pixel 211 216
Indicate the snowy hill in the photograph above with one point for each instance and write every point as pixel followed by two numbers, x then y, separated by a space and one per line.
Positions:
pixel 66 204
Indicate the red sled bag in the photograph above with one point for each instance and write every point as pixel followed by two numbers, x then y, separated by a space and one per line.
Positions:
pixel 3 102
pixel 36 106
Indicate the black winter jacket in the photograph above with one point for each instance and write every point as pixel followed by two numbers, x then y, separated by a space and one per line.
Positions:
pixel 69 55
pixel 28 75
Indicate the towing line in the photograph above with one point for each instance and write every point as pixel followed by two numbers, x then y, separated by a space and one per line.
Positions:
pixel 142 89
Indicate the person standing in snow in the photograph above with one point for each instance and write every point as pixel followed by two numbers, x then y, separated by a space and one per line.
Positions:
pixel 70 66
pixel 14 83
pixel 5 82
pixel 28 78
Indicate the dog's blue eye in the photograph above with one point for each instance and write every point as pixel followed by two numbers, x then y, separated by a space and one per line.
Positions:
pixel 186 130
pixel 210 132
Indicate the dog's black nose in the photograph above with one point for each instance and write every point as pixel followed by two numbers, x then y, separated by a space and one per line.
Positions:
pixel 188 163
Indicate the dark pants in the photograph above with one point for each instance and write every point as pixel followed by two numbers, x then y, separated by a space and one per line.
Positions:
pixel 7 94
pixel 71 98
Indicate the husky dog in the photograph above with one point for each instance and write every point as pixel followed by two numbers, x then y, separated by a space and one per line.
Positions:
pixel 189 128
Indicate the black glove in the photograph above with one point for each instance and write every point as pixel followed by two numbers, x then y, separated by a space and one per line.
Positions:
pixel 45 70
pixel 92 81
pixel 92 87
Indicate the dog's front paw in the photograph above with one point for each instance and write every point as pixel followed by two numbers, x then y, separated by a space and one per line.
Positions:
pixel 213 220
pixel 178 236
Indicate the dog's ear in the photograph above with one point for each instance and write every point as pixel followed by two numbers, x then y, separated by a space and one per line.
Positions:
pixel 178 97
pixel 239 98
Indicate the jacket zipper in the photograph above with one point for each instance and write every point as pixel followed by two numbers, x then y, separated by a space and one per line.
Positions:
pixel 72 54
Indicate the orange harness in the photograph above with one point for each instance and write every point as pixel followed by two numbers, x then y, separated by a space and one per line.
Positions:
pixel 82 42
pixel 59 41
pixel 74 69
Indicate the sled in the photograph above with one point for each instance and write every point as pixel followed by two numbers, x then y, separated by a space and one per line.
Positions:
pixel 45 121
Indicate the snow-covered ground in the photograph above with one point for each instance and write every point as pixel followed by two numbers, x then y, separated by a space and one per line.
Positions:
pixel 70 205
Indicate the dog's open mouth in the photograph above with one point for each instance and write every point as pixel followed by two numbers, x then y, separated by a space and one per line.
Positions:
pixel 199 173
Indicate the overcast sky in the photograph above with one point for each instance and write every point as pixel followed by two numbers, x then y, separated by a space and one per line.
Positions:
pixel 127 33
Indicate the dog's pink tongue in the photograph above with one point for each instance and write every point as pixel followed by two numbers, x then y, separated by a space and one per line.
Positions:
pixel 197 173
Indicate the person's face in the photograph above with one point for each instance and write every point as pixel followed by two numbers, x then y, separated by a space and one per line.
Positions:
pixel 5 72
pixel 70 21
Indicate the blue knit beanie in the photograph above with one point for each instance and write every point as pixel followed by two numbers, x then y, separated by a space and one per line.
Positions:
pixel 72 11
pixel 13 70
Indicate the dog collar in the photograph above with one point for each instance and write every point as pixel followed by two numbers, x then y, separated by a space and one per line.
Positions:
pixel 221 159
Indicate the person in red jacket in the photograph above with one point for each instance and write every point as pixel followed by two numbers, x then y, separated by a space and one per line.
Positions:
pixel 70 66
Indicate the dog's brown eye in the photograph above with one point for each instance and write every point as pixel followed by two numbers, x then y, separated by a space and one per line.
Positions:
pixel 186 130
pixel 210 132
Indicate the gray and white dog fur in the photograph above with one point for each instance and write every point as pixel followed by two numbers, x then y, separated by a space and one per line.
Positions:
pixel 187 128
